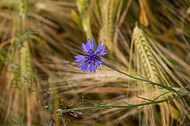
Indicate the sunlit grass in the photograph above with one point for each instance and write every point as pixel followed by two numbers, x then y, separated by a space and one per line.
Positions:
pixel 39 39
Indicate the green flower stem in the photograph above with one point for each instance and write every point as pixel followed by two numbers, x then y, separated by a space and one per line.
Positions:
pixel 129 106
pixel 68 110
pixel 152 102
pixel 145 80
pixel 98 105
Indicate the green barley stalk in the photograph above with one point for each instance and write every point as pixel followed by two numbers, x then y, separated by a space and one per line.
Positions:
pixel 109 25
pixel 84 10
pixel 25 58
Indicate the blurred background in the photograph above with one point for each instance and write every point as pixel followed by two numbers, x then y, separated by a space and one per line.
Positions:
pixel 38 75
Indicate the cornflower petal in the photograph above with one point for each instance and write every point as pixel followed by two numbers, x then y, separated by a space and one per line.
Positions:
pixel 91 67
pixel 80 59
pixel 91 44
pixel 85 47
pixel 102 53
pixel 84 66
pixel 90 57
pixel 98 63
pixel 99 47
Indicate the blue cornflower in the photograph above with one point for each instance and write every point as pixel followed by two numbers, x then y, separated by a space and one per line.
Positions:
pixel 91 57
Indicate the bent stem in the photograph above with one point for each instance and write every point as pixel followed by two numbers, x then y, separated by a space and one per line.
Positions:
pixel 98 105
pixel 145 80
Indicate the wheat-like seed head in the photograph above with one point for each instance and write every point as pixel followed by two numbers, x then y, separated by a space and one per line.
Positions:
pixel 146 59
pixel 107 26
pixel 22 7
pixel 153 71
pixel 142 46
pixel 84 10
pixel 25 61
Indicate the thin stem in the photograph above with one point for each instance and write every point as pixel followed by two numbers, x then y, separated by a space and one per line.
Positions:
pixel 129 106
pixel 97 105
pixel 142 79
pixel 68 110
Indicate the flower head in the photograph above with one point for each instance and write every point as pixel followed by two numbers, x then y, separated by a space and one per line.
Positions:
pixel 91 58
